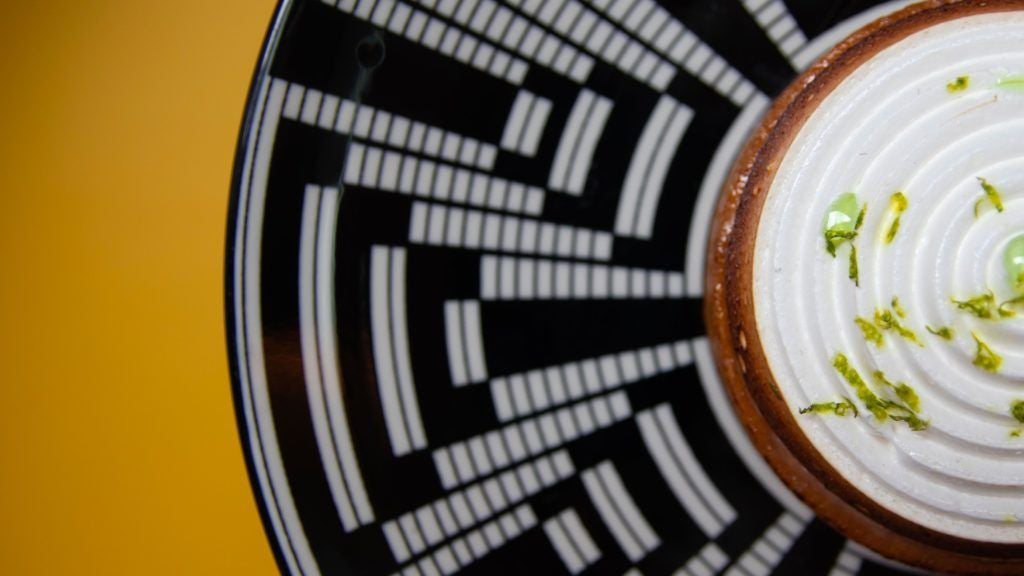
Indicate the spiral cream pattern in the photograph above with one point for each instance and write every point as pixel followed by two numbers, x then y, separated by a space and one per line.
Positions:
pixel 892 125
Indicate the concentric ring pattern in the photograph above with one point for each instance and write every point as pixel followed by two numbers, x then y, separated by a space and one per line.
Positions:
pixel 902 125
pixel 465 287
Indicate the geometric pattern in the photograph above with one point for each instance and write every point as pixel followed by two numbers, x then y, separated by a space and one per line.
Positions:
pixel 464 287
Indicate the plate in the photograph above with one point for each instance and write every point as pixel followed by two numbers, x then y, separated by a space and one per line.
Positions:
pixel 465 278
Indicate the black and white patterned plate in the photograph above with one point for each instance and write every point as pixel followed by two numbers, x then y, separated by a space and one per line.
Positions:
pixel 464 281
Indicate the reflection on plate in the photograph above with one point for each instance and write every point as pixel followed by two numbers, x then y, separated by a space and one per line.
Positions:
pixel 464 287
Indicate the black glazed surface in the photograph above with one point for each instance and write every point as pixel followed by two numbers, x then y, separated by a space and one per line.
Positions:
pixel 539 328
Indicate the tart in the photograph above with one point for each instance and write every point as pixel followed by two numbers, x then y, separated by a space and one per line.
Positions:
pixel 866 282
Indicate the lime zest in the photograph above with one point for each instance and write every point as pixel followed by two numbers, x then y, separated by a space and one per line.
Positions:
pixel 854 269
pixel 959 84
pixel 871 332
pixel 833 238
pixel 944 332
pixel 897 308
pixel 898 205
pixel 903 391
pixel 843 408
pixel 882 409
pixel 886 320
pixel 913 421
pixel 991 195
pixel 985 358
pixel 872 402
pixel 1017 410
pixel 984 306
pixel 1005 310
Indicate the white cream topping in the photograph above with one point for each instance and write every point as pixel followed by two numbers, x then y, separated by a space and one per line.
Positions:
pixel 892 125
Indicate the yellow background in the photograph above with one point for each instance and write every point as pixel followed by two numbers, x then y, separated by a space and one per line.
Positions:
pixel 118 447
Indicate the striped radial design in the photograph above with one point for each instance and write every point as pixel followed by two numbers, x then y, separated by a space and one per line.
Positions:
pixel 465 279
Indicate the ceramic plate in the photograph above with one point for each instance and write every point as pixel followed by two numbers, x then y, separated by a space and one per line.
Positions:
pixel 464 287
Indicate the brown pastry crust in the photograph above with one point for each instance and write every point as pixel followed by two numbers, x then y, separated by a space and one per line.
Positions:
pixel 732 328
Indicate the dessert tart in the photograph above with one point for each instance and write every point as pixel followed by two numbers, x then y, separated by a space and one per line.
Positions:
pixel 866 282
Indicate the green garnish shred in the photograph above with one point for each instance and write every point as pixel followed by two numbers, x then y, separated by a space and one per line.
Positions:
pixel 980 306
pixel 945 332
pixel 886 320
pixel 984 306
pixel 871 332
pixel 909 396
pixel 838 408
pixel 898 204
pixel 1005 309
pixel 1017 410
pixel 873 403
pixel 897 308
pixel 991 195
pixel 903 391
pixel 985 358
pixel 881 408
pixel 959 84
pixel 854 268
pixel 833 238
pixel 913 421
pixel 893 229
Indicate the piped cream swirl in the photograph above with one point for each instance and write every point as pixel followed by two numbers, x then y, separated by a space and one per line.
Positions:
pixel 892 125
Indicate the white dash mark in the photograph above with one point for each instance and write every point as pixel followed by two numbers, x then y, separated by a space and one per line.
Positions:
pixel 455 343
pixel 684 476
pixel 391 350
pixel 774 18
pixel 437 180
pixel 579 140
pixel 558 279
pixel 619 512
pixel 418 26
pixel 649 167
pixel 571 541
pixel 323 380
pixel 525 124
pixel 769 549
pixel 710 560
pixel 494 232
